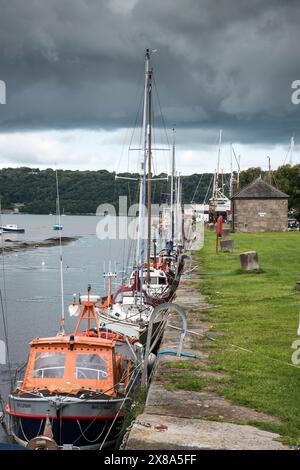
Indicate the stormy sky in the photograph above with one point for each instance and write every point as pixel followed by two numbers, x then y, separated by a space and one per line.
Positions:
pixel 74 76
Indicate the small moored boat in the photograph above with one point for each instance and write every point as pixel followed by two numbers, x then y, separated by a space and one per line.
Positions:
pixel 12 228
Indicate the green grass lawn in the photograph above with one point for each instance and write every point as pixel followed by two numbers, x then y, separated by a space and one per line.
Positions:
pixel 258 312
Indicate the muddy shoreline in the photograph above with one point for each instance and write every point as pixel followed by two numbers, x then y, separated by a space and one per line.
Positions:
pixel 13 245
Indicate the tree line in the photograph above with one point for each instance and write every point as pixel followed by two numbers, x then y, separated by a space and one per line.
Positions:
pixel 34 191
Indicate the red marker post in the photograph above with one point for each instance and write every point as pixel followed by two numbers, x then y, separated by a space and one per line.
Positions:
pixel 219 232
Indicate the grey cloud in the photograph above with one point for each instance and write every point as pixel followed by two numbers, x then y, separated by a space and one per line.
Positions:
pixel 79 64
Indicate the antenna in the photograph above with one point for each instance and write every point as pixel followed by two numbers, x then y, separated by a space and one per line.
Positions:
pixel 62 331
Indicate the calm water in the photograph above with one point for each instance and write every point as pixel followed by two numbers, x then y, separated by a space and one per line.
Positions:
pixel 32 278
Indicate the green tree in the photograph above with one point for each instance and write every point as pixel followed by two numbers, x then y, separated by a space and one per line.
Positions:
pixel 247 176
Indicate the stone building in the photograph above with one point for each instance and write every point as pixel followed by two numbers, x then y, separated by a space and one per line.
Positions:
pixel 259 207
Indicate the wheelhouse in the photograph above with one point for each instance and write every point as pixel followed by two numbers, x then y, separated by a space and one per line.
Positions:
pixel 157 277
pixel 71 364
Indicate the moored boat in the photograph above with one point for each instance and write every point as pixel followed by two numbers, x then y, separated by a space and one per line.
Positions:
pixel 79 382
pixel 12 228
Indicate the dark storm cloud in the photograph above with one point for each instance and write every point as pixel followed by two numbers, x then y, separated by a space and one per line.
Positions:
pixel 79 64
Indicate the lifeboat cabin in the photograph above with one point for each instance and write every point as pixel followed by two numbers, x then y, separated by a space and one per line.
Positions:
pixel 77 383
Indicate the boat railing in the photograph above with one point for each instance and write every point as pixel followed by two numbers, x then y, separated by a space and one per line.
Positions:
pixel 44 369
pixel 169 308
pixel 99 374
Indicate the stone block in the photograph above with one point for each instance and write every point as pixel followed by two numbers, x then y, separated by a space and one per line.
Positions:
pixel 249 261
pixel 226 232
pixel 227 245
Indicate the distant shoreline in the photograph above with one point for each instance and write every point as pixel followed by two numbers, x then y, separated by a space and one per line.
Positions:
pixel 11 212
pixel 13 246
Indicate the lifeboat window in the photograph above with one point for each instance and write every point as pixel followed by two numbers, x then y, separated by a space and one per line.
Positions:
pixel 91 366
pixel 49 365
pixel 162 280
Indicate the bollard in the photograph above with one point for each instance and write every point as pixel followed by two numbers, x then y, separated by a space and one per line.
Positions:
pixel 227 245
pixel 249 261
pixel 226 232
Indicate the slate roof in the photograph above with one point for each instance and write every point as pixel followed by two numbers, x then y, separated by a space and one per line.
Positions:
pixel 259 189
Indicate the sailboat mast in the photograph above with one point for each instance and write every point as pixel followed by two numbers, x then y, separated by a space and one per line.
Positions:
pixel 143 157
pixel 231 173
pixel 62 319
pixel 216 180
pixel 149 131
pixel 269 171
pixel 178 211
pixel 172 186
pixel 219 157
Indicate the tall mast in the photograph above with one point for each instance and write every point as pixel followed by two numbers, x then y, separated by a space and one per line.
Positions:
pixel 62 319
pixel 149 132
pixel 270 171
pixel 231 172
pixel 219 157
pixel 172 186
pixel 178 234
pixel 143 159
pixel 222 181
pixel 216 179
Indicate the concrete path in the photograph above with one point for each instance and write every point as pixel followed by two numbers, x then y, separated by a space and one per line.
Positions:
pixel 181 419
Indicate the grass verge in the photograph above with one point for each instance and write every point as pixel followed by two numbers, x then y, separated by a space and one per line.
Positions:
pixel 258 312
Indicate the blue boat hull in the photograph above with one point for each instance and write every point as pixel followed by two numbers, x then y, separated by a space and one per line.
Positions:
pixel 12 230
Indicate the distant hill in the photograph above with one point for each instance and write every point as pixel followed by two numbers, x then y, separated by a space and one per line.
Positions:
pixel 81 192
pixel 34 191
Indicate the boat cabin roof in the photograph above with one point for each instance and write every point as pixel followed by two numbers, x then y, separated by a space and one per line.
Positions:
pixel 78 340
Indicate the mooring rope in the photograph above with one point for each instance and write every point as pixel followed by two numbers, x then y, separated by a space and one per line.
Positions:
pixel 204 335
pixel 117 415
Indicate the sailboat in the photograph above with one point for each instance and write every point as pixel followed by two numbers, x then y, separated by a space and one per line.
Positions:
pixel 152 280
pixel 219 204
pixel 79 382
pixel 58 225
pixel 12 228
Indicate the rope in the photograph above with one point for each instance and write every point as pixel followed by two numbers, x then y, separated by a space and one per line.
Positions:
pixel 91 423
pixel 204 335
pixel 25 437
pixel 199 182
pixel 90 440
pixel 175 353
pixel 208 189
pixel 116 417
pixel 160 110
